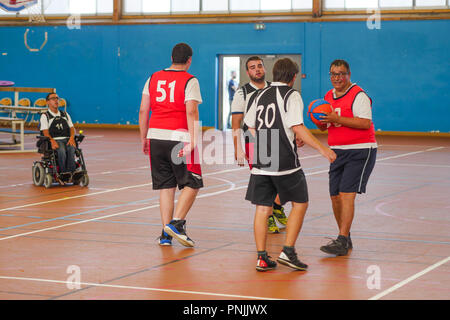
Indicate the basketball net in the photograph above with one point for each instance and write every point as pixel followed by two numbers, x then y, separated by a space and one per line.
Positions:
pixel 35 13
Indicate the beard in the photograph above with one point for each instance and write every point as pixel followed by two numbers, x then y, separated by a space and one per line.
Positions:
pixel 258 80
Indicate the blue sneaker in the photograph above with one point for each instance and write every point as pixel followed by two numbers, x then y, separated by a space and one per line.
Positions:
pixel 165 239
pixel 177 229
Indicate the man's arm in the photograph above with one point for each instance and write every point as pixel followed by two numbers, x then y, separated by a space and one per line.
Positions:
pixel 306 136
pixel 52 141
pixel 144 113
pixel 352 122
pixel 192 116
pixel 239 153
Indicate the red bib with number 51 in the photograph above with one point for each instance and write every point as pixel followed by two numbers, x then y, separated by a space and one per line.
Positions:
pixel 167 99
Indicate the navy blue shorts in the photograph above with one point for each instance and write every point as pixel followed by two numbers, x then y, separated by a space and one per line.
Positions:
pixel 262 190
pixel 351 170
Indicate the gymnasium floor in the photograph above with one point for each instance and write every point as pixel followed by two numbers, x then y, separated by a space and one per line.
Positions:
pixel 100 242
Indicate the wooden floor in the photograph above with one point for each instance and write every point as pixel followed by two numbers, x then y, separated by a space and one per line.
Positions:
pixel 100 242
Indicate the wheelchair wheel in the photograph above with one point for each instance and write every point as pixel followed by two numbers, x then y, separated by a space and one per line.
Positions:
pixel 48 180
pixel 84 181
pixel 38 174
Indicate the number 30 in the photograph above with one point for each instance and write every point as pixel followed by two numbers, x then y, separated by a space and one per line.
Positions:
pixel 259 110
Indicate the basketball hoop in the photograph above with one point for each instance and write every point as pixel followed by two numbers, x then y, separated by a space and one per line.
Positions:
pixel 32 8
pixel 35 14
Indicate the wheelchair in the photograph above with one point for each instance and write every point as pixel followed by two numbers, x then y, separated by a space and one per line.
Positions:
pixel 46 171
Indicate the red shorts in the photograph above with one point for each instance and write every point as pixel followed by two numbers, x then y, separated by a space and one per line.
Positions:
pixel 249 147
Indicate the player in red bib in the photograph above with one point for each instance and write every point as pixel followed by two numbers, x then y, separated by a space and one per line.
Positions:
pixel 170 138
pixel 351 135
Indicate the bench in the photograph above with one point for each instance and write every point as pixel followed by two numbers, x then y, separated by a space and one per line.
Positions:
pixel 14 131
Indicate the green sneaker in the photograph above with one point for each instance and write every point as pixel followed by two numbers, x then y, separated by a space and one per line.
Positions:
pixel 272 226
pixel 280 218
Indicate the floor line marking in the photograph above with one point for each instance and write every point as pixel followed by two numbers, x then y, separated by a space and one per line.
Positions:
pixel 408 280
pixel 137 288
pixel 114 214
pixel 157 205
pixel 100 192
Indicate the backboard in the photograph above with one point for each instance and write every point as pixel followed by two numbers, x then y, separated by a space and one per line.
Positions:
pixel 16 5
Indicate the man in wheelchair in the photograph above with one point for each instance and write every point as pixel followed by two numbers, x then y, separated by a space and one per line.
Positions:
pixel 62 161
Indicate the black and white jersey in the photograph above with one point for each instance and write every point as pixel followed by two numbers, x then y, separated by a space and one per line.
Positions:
pixel 273 113
pixel 243 99
pixel 58 124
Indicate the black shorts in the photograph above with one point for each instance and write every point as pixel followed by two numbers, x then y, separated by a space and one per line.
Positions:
pixel 351 170
pixel 262 190
pixel 168 171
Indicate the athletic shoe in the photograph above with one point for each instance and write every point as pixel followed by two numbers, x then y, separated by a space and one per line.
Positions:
pixel 289 258
pixel 338 247
pixel 165 239
pixel 264 263
pixel 177 229
pixel 272 226
pixel 280 217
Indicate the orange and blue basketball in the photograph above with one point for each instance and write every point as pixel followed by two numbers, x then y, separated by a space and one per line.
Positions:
pixel 318 108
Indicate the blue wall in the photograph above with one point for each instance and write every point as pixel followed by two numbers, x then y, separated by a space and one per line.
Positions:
pixel 404 66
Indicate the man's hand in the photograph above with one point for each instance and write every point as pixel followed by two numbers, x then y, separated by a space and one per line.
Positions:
pixel 240 156
pixel 54 144
pixel 71 142
pixel 328 153
pixel 146 146
pixel 300 143
pixel 187 149
pixel 330 117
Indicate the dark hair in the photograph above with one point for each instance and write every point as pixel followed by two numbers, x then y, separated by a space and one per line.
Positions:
pixel 181 53
pixel 284 70
pixel 253 58
pixel 340 62
pixel 48 96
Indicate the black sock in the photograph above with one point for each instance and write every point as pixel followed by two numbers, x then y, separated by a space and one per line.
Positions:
pixel 288 249
pixel 262 254
pixel 343 239
pixel 277 206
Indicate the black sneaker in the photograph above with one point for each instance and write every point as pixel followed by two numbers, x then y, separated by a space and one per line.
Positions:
pixel 165 239
pixel 338 247
pixel 289 258
pixel 264 263
pixel 177 229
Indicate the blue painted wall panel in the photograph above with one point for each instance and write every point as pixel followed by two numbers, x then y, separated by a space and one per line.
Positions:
pixel 101 70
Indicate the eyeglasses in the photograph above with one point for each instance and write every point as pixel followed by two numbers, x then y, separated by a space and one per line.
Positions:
pixel 53 98
pixel 340 74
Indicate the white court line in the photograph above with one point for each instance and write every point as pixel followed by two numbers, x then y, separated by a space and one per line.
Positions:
pixel 75 197
pixel 416 165
pixel 138 288
pixel 413 277
pixel 411 153
pixel 211 194
pixel 205 195
pixel 206 174
pixel 102 192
